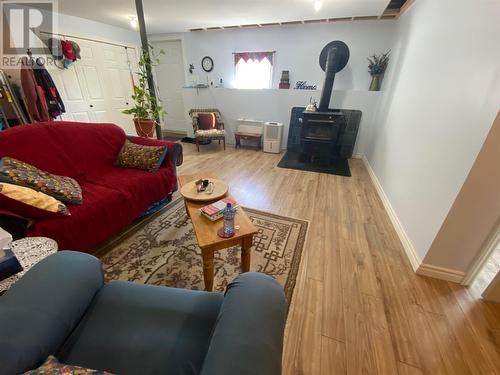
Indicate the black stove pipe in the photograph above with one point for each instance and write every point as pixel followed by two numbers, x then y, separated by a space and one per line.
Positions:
pixel 332 61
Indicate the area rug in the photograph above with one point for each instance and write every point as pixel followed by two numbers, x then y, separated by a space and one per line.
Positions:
pixel 162 250
pixel 294 160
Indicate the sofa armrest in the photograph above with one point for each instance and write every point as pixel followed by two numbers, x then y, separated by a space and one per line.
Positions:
pixel 174 149
pixel 39 311
pixel 248 336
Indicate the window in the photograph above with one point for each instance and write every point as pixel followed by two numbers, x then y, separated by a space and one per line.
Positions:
pixel 253 70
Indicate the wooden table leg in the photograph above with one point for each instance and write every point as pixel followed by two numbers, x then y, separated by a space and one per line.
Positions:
pixel 246 245
pixel 208 269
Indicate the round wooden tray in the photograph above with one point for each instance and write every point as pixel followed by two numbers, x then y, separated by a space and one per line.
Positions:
pixel 189 192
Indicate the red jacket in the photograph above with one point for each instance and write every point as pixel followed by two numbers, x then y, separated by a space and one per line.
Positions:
pixel 35 96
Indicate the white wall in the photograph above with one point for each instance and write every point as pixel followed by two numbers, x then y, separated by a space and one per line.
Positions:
pixel 275 105
pixel 97 30
pixel 441 99
pixel 475 214
pixel 82 27
pixel 297 49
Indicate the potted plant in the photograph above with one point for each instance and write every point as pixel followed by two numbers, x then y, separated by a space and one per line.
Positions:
pixel 147 109
pixel 376 67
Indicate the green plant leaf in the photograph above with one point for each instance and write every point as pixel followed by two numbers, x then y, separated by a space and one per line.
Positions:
pixel 146 106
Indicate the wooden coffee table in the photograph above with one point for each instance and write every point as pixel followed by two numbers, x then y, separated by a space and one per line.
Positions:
pixel 206 232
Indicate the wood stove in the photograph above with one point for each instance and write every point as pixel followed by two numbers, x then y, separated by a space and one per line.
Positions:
pixel 321 130
pixel 320 133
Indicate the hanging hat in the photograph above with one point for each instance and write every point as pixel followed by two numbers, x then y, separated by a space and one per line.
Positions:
pixel 55 49
pixel 67 63
pixel 67 48
pixel 76 49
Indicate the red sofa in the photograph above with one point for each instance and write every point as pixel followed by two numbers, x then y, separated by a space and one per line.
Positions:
pixel 112 196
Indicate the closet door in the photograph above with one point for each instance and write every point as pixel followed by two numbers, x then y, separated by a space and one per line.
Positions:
pixel 118 82
pixel 98 87
pixel 80 86
pixel 89 71
pixel 72 92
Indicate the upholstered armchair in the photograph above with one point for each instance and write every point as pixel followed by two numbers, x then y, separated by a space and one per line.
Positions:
pixel 207 125
pixel 62 307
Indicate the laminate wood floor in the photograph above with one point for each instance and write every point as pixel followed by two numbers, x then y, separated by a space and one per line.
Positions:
pixel 358 308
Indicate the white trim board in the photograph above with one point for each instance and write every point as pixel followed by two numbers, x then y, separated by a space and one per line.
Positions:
pixel 411 253
pixel 441 273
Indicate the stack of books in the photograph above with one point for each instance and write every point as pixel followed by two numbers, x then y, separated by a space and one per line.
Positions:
pixel 214 210
pixel 285 80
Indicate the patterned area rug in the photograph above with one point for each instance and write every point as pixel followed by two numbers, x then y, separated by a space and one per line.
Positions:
pixel 162 250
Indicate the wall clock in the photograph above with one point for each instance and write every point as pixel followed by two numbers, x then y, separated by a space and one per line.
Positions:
pixel 207 64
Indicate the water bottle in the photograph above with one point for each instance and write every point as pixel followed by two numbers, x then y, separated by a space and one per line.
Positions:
pixel 228 214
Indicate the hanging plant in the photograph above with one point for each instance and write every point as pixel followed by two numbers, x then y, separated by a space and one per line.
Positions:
pixel 376 67
pixel 147 109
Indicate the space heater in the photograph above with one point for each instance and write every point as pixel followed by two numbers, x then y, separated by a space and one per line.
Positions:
pixel 273 132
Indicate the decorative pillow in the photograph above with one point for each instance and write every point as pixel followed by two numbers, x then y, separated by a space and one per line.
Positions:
pixel 207 121
pixel 137 156
pixel 212 132
pixel 66 189
pixel 52 367
pixel 28 202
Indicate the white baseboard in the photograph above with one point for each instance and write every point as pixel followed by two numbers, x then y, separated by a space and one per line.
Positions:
pixel 357 156
pixel 174 132
pixel 411 253
pixel 441 273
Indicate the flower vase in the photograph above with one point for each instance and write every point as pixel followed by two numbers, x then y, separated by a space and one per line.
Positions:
pixel 376 82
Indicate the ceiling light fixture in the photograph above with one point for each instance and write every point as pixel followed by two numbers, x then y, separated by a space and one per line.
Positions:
pixel 133 22
pixel 318 5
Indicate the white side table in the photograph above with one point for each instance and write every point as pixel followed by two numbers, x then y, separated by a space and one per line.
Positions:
pixel 29 251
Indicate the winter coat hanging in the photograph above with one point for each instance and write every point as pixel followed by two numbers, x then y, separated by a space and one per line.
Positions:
pixel 54 102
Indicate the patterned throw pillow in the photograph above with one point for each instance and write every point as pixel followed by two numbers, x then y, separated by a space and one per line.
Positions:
pixel 28 202
pixel 213 132
pixel 20 173
pixel 52 367
pixel 148 158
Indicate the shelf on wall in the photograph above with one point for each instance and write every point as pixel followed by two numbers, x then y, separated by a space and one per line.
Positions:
pixel 196 87
pixel 282 90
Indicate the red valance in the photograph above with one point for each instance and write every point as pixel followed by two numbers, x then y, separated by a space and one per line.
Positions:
pixel 259 56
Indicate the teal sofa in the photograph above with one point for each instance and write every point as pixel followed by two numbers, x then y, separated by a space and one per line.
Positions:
pixel 62 306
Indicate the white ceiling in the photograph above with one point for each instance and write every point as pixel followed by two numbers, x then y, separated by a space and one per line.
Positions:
pixel 163 16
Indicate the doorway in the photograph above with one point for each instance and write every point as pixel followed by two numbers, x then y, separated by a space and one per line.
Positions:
pixel 488 273
pixel 484 277
pixel 170 80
